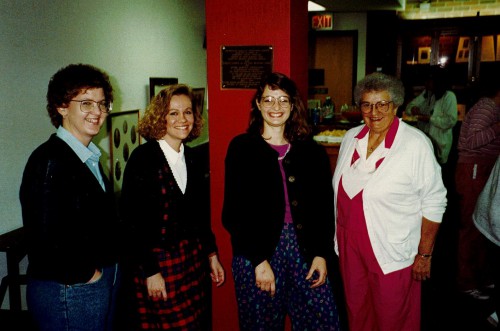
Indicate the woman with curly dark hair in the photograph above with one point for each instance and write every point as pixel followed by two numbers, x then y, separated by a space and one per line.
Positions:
pixel 166 204
pixel 278 209
pixel 69 209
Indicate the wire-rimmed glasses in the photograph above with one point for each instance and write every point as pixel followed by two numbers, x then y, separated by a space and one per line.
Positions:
pixel 270 101
pixel 381 106
pixel 87 106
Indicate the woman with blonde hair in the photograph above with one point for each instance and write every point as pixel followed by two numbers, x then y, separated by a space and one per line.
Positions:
pixel 165 203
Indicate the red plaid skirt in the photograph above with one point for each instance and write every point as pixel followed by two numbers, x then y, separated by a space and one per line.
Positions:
pixel 184 269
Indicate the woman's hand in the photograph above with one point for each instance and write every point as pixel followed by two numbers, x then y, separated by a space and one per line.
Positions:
pixel 217 273
pixel 264 278
pixel 156 287
pixel 421 269
pixel 318 265
pixel 95 277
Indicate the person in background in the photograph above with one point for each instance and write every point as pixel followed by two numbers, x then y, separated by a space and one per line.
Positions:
pixel 478 149
pixel 436 111
pixel 389 199
pixel 278 209
pixel 486 218
pixel 165 202
pixel 69 212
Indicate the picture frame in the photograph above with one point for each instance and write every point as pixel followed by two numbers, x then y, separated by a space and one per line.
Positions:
pixel 124 138
pixel 498 48
pixel 199 98
pixel 156 84
pixel 424 55
pixel 488 48
pixel 463 50
pixel 199 101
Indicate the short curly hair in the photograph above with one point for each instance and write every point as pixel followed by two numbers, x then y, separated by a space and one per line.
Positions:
pixel 153 125
pixel 377 82
pixel 72 80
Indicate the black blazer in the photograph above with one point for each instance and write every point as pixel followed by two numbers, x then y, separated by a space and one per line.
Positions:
pixel 143 205
pixel 70 221
pixel 254 202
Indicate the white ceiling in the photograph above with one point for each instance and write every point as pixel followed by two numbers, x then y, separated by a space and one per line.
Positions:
pixel 361 5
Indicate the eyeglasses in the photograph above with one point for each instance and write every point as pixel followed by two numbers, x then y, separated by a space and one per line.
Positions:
pixel 381 106
pixel 86 106
pixel 269 102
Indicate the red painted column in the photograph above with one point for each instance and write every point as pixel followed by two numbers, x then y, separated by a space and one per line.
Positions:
pixel 282 24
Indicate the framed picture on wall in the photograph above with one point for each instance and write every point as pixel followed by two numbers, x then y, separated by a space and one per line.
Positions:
pixel 463 51
pixel 498 48
pixel 199 101
pixel 156 84
pixel 124 138
pixel 199 98
pixel 488 49
pixel 424 55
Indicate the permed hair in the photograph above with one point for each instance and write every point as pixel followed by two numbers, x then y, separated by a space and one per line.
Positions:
pixel 72 80
pixel 377 82
pixel 296 127
pixel 153 125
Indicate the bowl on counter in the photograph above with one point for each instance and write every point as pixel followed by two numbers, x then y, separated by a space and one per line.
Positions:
pixel 330 136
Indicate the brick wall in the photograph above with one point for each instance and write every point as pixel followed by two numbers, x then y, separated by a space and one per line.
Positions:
pixel 433 9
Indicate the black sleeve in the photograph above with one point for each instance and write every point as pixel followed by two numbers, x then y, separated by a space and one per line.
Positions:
pixel 201 173
pixel 139 207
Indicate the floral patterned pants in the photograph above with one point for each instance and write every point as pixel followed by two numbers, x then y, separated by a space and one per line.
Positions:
pixel 309 309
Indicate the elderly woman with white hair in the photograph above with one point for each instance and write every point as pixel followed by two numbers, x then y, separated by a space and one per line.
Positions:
pixel 389 202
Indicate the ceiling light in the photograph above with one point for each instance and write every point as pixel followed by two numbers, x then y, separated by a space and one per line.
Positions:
pixel 313 6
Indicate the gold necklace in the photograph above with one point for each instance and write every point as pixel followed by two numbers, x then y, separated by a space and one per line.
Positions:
pixel 375 145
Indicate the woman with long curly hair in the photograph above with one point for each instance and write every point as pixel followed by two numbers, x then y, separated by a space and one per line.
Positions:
pixel 278 208
pixel 165 203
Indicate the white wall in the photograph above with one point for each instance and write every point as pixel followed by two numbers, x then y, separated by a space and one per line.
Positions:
pixel 130 40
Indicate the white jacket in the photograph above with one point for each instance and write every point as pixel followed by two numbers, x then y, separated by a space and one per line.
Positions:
pixel 406 187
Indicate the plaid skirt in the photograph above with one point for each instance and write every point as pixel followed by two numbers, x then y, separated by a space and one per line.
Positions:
pixel 185 270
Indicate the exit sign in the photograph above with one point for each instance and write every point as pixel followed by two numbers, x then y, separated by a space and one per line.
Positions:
pixel 322 21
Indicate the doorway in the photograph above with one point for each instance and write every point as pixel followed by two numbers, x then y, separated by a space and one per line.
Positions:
pixel 334 53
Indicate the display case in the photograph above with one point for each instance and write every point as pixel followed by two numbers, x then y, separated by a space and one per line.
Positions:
pixel 467 47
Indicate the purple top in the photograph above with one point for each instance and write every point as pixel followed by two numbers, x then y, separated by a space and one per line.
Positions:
pixel 283 150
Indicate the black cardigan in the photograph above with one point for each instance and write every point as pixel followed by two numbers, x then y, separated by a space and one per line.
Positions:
pixel 143 205
pixel 254 204
pixel 70 221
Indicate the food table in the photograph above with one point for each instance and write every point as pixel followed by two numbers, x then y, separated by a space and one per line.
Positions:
pixel 330 136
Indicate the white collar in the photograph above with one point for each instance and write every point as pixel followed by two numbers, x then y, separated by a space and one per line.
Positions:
pixel 171 154
pixel 176 162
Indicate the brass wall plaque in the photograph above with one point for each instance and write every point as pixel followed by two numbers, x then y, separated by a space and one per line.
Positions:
pixel 243 66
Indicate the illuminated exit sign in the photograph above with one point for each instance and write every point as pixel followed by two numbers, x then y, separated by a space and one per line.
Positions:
pixel 323 21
